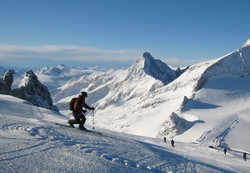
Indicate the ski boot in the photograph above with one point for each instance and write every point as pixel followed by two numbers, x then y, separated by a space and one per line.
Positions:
pixel 70 124
pixel 82 128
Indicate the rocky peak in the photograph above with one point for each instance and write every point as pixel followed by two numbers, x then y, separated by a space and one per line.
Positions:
pixel 6 82
pixel 155 68
pixel 175 125
pixel 30 78
pixel 32 90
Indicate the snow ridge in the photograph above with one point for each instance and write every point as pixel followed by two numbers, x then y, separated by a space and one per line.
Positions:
pixel 236 63
pixel 247 43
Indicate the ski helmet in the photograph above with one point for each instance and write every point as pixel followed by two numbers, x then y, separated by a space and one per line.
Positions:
pixel 84 94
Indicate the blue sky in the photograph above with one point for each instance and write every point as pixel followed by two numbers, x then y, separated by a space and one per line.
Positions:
pixel 115 33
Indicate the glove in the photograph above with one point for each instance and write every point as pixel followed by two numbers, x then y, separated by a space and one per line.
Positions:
pixel 93 108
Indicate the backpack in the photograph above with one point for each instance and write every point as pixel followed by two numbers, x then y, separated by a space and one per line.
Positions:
pixel 71 104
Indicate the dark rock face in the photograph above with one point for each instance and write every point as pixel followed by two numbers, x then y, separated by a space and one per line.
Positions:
pixel 6 82
pixel 32 90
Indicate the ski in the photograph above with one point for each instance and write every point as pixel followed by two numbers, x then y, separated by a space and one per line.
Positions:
pixel 89 131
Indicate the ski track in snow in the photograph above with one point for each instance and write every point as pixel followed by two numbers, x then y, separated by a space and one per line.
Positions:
pixel 221 129
pixel 50 138
pixel 31 141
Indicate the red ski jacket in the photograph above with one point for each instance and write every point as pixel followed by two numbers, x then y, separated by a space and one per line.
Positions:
pixel 80 103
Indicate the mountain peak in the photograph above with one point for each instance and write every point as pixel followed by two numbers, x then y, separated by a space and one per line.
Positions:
pixel 153 67
pixel 147 55
pixel 32 90
pixel 247 43
pixel 149 61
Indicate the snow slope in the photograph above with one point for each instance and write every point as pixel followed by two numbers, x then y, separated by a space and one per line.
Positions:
pixel 222 106
pixel 31 142
pixel 220 102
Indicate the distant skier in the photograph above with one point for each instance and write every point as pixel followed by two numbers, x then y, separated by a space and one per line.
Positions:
pixel 172 143
pixel 165 139
pixel 78 112
pixel 225 151
pixel 245 156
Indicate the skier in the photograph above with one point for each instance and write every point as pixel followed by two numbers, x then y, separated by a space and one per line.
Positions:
pixel 78 112
pixel 245 156
pixel 165 139
pixel 225 151
pixel 172 143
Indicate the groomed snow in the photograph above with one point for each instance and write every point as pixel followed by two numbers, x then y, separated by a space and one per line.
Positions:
pixel 31 142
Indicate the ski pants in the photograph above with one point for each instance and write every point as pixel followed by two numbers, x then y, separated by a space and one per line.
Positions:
pixel 79 119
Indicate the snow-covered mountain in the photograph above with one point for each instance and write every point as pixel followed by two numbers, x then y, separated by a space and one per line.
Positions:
pixel 142 100
pixel 222 93
pixel 217 97
pixel 152 67
pixel 47 77
pixel 56 76
pixel 115 87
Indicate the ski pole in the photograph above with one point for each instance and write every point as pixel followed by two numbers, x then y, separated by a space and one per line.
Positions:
pixel 93 120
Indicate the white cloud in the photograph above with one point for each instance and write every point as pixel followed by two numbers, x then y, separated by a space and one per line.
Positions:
pixel 38 56
pixel 66 53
